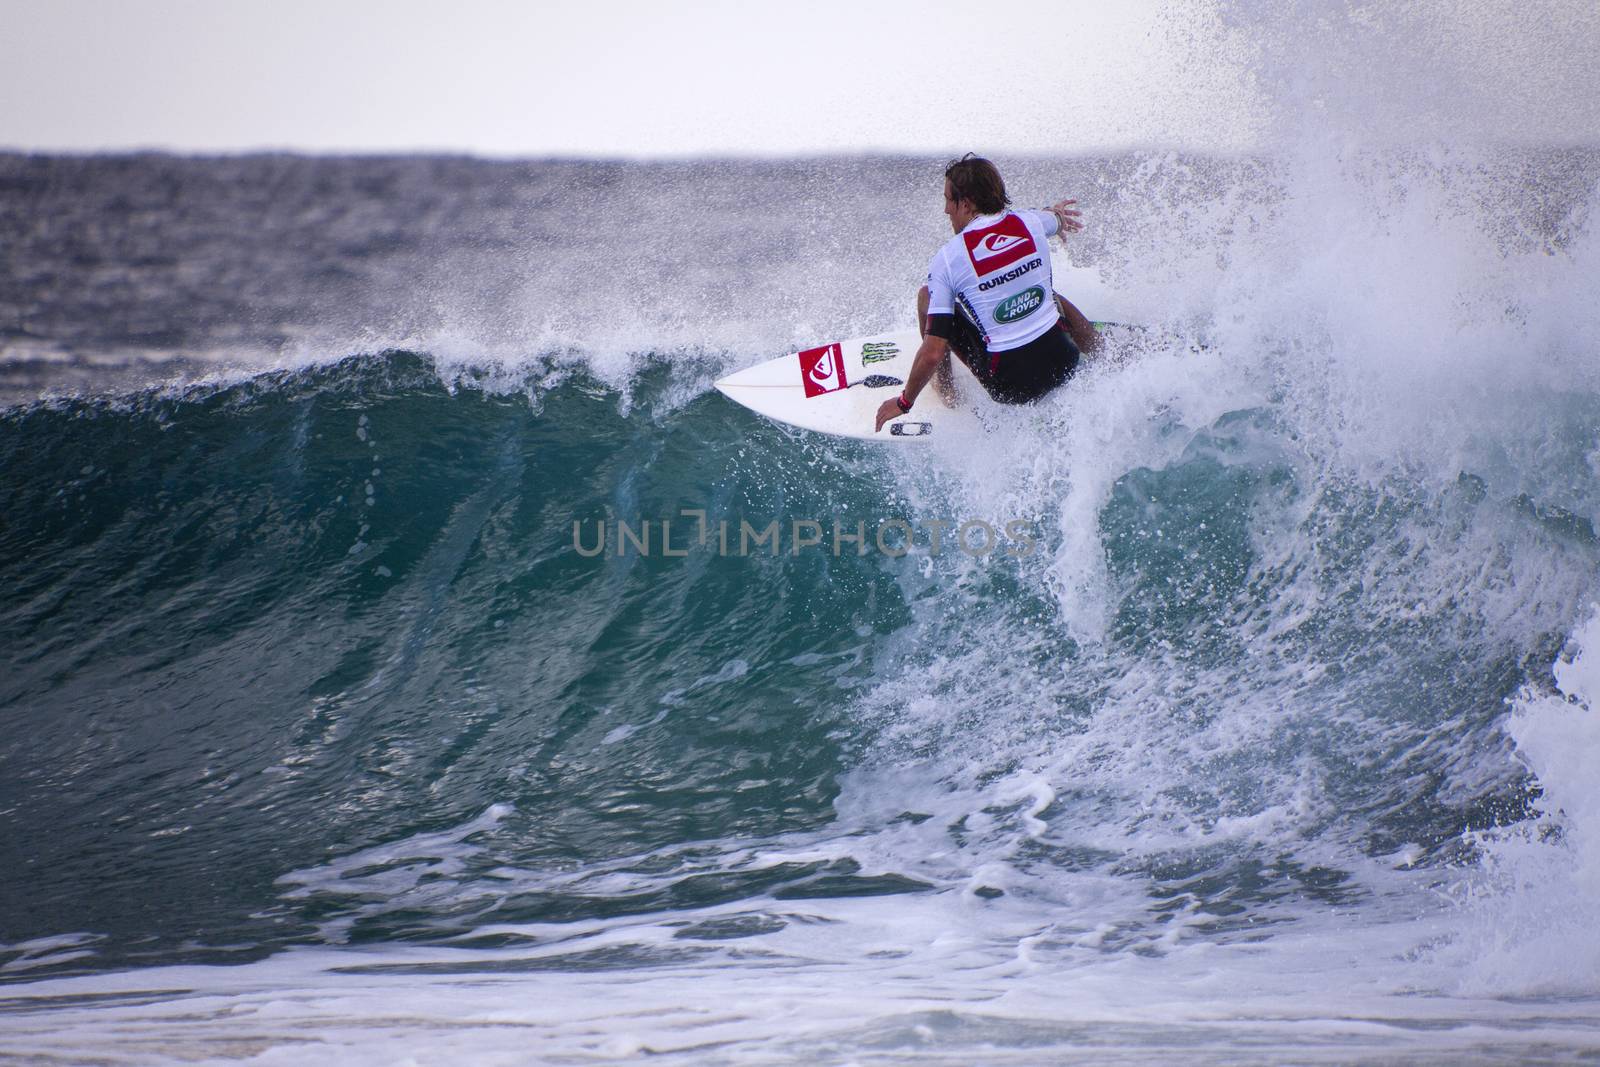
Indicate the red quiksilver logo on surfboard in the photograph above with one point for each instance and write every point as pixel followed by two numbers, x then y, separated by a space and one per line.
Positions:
pixel 822 370
pixel 1000 245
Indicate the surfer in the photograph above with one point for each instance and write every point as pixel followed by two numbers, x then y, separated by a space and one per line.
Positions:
pixel 990 296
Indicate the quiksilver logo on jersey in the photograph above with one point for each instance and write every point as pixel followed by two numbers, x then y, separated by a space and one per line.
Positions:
pixel 993 245
pixel 1011 275
pixel 822 370
pixel 999 245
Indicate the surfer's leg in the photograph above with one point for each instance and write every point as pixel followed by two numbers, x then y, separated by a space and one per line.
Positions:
pixel 1023 375
pixel 1078 327
pixel 945 382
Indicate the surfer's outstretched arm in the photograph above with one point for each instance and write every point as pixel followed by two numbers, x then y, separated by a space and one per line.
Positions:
pixel 1068 217
pixel 1079 328
pixel 934 351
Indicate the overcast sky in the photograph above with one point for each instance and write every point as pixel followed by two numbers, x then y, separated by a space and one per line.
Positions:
pixel 611 77
pixel 632 78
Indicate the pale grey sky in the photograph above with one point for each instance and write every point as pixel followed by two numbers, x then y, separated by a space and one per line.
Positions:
pixel 635 78
pixel 612 77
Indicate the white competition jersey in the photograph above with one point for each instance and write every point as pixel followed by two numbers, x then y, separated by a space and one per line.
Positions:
pixel 997 271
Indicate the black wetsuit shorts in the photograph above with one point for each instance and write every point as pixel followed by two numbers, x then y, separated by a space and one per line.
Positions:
pixel 1019 375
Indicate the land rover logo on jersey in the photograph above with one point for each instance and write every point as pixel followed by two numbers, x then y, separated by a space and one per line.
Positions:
pixel 822 370
pixel 1024 303
pixel 995 247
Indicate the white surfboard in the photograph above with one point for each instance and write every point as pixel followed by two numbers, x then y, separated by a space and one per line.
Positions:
pixel 837 388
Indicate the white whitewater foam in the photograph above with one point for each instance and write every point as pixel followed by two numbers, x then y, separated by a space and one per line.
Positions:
pixel 1537 909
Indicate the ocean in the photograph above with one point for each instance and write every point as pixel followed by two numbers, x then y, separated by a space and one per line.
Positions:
pixel 388 676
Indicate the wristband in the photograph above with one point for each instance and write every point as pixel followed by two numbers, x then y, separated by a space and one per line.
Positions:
pixel 905 405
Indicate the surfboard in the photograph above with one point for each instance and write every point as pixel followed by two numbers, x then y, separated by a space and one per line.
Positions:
pixel 836 388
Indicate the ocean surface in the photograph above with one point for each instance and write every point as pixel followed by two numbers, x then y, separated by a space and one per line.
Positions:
pixel 346 717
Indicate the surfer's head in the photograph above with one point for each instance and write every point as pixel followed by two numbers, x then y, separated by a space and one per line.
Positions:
pixel 974 187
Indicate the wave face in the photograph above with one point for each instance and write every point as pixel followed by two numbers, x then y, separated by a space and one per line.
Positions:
pixel 322 610
pixel 386 614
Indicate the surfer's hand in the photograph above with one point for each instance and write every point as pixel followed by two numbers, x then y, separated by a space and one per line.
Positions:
pixel 888 411
pixel 1067 216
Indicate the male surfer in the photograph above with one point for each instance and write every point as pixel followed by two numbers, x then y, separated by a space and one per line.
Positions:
pixel 991 297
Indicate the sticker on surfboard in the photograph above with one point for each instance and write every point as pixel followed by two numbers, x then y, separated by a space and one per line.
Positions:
pixel 878 351
pixel 822 370
pixel 837 388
